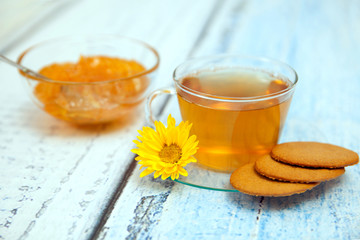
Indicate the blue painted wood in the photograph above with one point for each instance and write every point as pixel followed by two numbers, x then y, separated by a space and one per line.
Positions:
pixel 53 173
pixel 320 40
pixel 56 179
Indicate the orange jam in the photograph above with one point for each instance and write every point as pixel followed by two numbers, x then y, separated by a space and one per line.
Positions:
pixel 97 100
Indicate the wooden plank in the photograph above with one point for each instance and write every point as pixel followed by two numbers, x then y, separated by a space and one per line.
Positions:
pixel 55 173
pixel 320 40
pixel 20 17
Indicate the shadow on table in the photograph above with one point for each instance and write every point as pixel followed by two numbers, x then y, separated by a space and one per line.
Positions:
pixel 35 119
pixel 318 194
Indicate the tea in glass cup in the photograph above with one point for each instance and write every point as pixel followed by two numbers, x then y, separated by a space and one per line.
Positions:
pixel 237 105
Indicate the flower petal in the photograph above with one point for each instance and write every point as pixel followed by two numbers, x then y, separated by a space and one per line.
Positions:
pixel 161 131
pixel 157 174
pixel 184 130
pixel 190 144
pixel 165 176
pixel 182 171
pixel 153 145
pixel 146 154
pixel 171 169
pixel 171 136
pixel 146 172
pixel 170 121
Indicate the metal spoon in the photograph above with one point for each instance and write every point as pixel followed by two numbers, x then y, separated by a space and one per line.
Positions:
pixel 24 69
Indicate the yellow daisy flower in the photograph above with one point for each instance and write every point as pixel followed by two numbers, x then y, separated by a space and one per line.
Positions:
pixel 166 150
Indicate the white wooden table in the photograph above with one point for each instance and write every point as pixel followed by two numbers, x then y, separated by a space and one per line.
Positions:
pixel 62 182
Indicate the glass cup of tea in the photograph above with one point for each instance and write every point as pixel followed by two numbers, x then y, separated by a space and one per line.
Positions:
pixel 237 105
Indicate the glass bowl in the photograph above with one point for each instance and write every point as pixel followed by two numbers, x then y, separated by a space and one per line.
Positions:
pixel 90 102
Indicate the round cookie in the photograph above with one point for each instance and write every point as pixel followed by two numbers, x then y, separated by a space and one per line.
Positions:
pixel 273 169
pixel 247 180
pixel 314 154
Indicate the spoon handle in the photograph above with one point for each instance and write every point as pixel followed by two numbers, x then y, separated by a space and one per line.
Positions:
pixel 22 68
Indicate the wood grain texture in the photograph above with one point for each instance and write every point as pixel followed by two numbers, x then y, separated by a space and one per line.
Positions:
pixel 56 179
pixel 20 17
pixel 320 40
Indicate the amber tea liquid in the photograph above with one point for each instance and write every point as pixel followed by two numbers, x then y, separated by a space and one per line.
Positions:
pixel 233 133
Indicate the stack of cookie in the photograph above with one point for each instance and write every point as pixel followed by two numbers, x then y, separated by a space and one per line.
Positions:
pixel 293 167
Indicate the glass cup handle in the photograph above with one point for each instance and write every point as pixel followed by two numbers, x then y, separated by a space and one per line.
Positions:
pixel 148 112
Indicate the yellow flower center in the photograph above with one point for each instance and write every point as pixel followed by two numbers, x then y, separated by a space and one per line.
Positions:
pixel 170 154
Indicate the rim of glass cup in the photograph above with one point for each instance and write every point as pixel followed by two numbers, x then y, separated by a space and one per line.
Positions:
pixel 235 99
pixel 85 37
